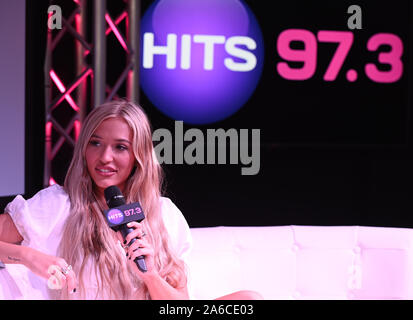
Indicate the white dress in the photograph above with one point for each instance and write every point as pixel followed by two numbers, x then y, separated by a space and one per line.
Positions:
pixel 40 221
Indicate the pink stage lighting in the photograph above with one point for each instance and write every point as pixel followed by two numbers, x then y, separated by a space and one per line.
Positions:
pixel 62 89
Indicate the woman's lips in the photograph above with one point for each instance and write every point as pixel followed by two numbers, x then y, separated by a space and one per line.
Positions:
pixel 106 172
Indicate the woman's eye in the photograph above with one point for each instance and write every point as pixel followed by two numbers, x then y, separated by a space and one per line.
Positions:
pixel 94 143
pixel 121 147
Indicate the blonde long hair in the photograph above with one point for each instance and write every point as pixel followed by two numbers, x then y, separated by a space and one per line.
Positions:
pixel 86 233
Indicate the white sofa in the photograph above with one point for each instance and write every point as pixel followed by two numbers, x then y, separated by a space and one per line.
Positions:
pixel 303 262
pixel 287 262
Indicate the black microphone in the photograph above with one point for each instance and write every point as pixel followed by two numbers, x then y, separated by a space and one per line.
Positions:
pixel 120 214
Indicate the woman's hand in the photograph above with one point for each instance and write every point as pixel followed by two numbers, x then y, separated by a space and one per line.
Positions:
pixel 140 247
pixel 158 288
pixel 56 270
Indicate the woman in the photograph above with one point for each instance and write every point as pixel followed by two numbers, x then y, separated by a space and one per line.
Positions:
pixel 65 237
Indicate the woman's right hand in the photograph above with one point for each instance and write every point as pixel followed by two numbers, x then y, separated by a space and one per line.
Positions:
pixel 51 268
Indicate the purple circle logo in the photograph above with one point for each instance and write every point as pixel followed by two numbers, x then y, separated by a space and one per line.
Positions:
pixel 201 59
pixel 115 216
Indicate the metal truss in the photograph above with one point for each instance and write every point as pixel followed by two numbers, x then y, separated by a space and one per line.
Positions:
pixel 77 83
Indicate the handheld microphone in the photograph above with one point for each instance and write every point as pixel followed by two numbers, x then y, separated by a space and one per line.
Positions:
pixel 120 214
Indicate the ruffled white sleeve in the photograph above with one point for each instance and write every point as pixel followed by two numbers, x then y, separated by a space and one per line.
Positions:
pixel 178 229
pixel 179 234
pixel 40 219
